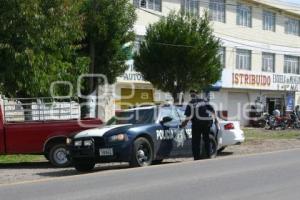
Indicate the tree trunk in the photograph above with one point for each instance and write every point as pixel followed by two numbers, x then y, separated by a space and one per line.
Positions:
pixel 85 109
pixel 175 95
pixel 27 110
pixel 92 66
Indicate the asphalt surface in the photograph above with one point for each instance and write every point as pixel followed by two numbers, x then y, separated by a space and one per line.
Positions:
pixel 268 176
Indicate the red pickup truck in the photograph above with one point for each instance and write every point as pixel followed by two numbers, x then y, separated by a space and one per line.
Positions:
pixel 44 134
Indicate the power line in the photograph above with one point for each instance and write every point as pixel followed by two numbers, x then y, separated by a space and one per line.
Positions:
pixel 150 12
pixel 251 40
pixel 253 6
pixel 175 45
pixel 253 51
pixel 208 3
pixel 230 28
pixel 233 41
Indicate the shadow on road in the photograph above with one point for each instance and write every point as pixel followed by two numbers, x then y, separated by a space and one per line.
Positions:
pixel 98 168
pixel 45 169
pixel 71 171
pixel 26 165
pixel 225 154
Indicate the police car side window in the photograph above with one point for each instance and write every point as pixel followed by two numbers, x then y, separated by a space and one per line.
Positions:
pixel 181 111
pixel 169 112
pixel 175 115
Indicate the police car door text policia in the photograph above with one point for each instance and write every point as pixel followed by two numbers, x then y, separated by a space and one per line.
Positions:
pixel 202 115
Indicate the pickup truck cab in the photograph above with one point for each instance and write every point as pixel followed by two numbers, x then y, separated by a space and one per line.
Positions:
pixel 45 133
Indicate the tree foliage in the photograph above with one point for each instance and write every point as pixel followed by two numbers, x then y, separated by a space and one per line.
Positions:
pixel 108 25
pixel 38 45
pixel 42 41
pixel 179 53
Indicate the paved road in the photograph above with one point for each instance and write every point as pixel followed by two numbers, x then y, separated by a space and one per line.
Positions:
pixel 265 176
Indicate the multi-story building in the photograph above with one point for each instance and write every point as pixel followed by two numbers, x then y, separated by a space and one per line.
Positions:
pixel 260 53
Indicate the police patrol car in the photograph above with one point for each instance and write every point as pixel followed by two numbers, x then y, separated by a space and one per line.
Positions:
pixel 140 136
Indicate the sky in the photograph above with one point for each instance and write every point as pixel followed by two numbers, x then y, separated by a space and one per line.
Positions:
pixel 292 1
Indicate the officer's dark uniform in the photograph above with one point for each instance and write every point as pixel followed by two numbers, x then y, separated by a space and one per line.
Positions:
pixel 199 110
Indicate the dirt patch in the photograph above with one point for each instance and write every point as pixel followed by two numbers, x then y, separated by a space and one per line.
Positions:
pixel 266 145
pixel 11 173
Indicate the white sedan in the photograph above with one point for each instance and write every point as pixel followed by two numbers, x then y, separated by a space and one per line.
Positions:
pixel 230 134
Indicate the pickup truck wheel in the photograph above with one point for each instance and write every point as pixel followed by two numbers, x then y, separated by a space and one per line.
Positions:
pixel 142 154
pixel 58 155
pixel 84 165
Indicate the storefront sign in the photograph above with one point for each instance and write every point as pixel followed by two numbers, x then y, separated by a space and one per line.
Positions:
pixel 251 79
pixel 263 81
pixel 130 74
pixel 287 82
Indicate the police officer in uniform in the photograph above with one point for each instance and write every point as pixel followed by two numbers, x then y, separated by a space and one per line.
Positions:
pixel 202 114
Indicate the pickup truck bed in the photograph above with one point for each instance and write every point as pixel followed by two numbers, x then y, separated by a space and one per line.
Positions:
pixel 46 137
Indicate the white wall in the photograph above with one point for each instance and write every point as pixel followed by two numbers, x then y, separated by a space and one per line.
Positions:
pixel 233 36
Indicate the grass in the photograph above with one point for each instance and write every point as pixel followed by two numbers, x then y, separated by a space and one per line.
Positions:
pixel 4 159
pixel 262 134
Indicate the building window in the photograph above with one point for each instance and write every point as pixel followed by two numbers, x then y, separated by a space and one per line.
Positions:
pixel 222 56
pixel 244 15
pixel 217 10
pixel 268 62
pixel 190 7
pixel 243 59
pixel 148 4
pixel 269 21
pixel 291 65
pixel 292 26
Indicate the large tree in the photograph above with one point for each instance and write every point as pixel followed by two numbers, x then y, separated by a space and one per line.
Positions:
pixel 178 53
pixel 38 45
pixel 109 26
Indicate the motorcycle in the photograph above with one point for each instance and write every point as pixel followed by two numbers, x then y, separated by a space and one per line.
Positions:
pixel 294 121
pixel 273 122
pixel 262 121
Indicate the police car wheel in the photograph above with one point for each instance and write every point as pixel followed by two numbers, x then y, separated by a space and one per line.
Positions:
pixel 142 153
pixel 84 165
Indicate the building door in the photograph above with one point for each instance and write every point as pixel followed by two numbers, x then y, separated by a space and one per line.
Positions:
pixel 238 107
pixel 270 105
pixel 275 103
pixel 135 97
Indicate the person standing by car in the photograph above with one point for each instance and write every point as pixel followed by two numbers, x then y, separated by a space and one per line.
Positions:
pixel 297 111
pixel 276 113
pixel 202 115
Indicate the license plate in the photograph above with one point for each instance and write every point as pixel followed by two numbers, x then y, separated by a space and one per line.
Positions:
pixel 106 152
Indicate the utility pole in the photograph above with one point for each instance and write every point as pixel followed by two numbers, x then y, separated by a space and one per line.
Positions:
pixel 92 53
pixel 93 83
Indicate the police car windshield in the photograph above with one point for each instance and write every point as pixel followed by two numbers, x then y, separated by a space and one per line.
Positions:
pixel 136 116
